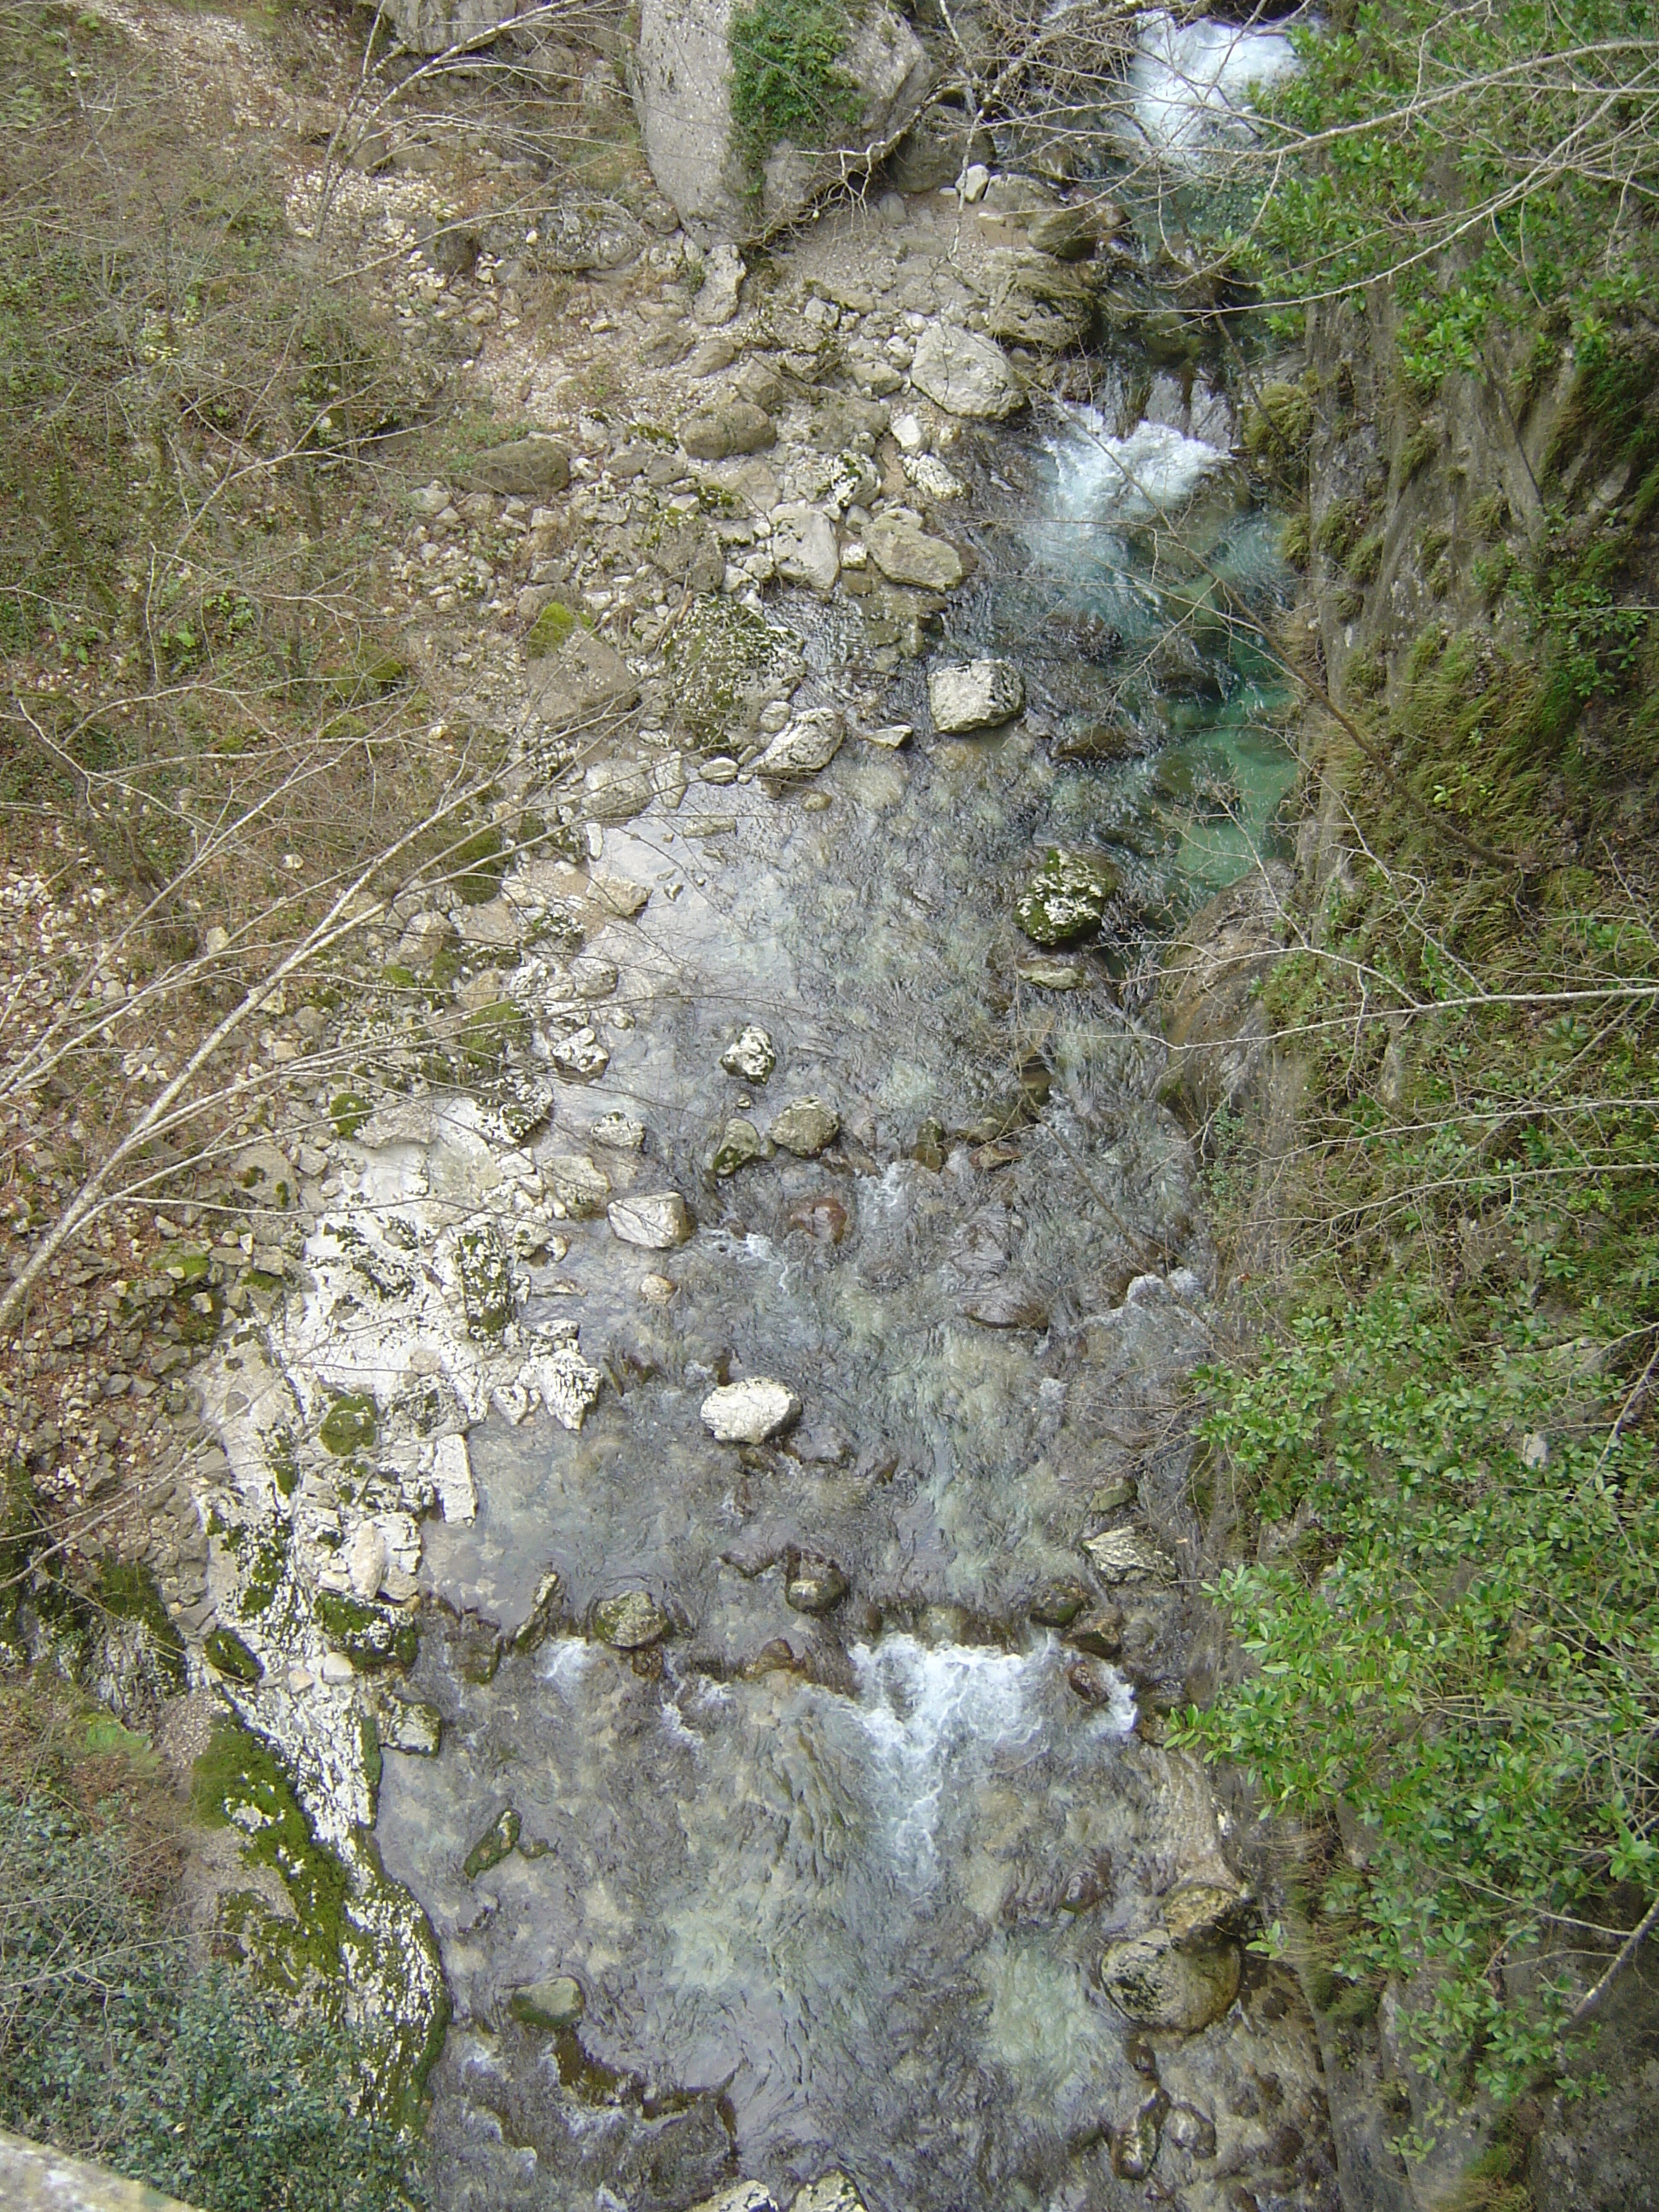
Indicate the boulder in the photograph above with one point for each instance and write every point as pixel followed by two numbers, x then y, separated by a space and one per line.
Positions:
pixel 1036 300
pixel 698 154
pixel 579 233
pixel 804 745
pixel 618 1131
pixel 585 680
pixel 555 2004
pixel 975 695
pixel 1126 1555
pixel 735 425
pixel 803 548
pixel 1067 896
pixel 905 554
pixel 1217 1031
pixel 432 27
pixel 630 1621
pixel 658 1220
pixel 805 1127
pixel 525 468
pixel 1156 1984
pixel 1067 233
pixel 965 373
pixel 750 1412
pixel 751 1055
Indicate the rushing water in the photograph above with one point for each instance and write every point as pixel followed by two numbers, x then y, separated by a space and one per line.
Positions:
pixel 835 1888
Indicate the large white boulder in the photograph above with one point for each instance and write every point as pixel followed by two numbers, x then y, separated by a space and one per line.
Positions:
pixel 683 89
pixel 965 373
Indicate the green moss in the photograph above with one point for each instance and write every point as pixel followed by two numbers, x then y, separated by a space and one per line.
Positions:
pixel 486 1033
pixel 722 652
pixel 348 1112
pixel 493 1846
pixel 549 630
pixel 477 866
pixel 350 1421
pixel 1339 528
pixel 1067 897
pixel 226 1650
pixel 240 1783
pixel 486 1276
pixel 1295 543
pixel 127 1591
pixel 264 1573
pixel 370 1636
pixel 1366 558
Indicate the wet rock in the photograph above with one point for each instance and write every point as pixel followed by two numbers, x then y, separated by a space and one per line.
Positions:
pixel 1067 897
pixel 658 1220
pixel 580 1055
pixel 975 695
pixel 1216 1029
pixel 525 468
pixel 1122 1555
pixel 1157 1985
pixel 1197 1913
pixel 824 1218
pixel 1007 1304
pixel 750 1412
pixel 415 1728
pixel 906 554
pixel 555 2004
pixel 806 1127
pixel 493 1846
pixel 1052 974
pixel 740 1144
pixel 718 768
pixel 585 680
pixel 629 1622
pixel 831 2192
pixel 806 745
pixel 1188 2129
pixel 1135 2148
pixel 1099 1632
pixel 1059 1605
pixel 615 791
pixel 965 373
pixel 546 1610
pixel 803 548
pixel 812 1584
pixel 1038 301
pixel 658 1290
pixel 736 426
pixel 616 1131
pixel 751 1055
pixel 582 1187
pixel 742 2196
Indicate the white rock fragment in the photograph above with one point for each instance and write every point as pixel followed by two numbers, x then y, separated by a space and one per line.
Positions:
pixel 975 695
pixel 965 373
pixel 451 1477
pixel 751 1054
pixel 808 744
pixel 568 1385
pixel 658 1220
pixel 803 549
pixel 749 1412
pixel 1119 1555
pixel 366 1562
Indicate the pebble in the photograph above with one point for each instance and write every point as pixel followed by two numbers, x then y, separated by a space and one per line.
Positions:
pixel 750 1412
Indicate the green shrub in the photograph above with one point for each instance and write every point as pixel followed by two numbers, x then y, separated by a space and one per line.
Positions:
pixel 786 77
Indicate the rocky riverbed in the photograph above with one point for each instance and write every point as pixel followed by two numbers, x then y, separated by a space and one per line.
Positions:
pixel 695 1484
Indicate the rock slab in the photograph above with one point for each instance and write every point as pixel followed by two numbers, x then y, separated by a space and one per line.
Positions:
pixel 975 695
pixel 965 373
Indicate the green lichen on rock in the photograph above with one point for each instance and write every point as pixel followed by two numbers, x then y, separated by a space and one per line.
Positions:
pixel 350 1422
pixel 477 866
pixel 226 1650
pixel 127 1591
pixel 549 630
pixel 370 1636
pixel 721 654
pixel 348 1111
pixel 1067 897
pixel 265 1572
pixel 486 1033
pixel 240 1783
pixel 486 1280
pixel 493 1846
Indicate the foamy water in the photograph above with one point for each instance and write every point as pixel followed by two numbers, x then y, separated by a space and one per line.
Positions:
pixel 1190 82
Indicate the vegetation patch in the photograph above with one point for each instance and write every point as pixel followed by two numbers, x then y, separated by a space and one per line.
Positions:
pixel 787 81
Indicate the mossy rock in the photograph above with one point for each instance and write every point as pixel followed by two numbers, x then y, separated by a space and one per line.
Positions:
pixel 477 866
pixel 549 630
pixel 486 1279
pixel 239 1782
pixel 370 1636
pixel 127 1591
pixel 1067 897
pixel 493 1846
pixel 486 1033
pixel 723 653
pixel 349 1422
pixel 226 1650
pixel 348 1111
pixel 553 2005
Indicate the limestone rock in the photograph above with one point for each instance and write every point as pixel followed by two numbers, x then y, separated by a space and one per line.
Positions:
pixel 1036 300
pixel 1067 896
pixel 683 89
pixel 906 554
pixel 812 1584
pixel 976 695
pixel 630 1621
pixel 1067 233
pixel 616 1131
pixel 366 1561
pixel 751 1055
pixel 805 1127
pixel 527 468
pixel 742 2196
pixel 581 1187
pixel 431 26
pixel 658 1220
pixel 451 1477
pixel 555 2004
pixel 831 2192
pixel 749 1412
pixel 1052 974
pixel 803 549
pixel 806 745
pixel 736 426
pixel 1157 1985
pixel 965 373
pixel 716 303
pixel 740 1144
pixel 586 679
pixel 1129 1554
pixel 580 232
pixel 615 791
pixel 415 1728
pixel 1217 1031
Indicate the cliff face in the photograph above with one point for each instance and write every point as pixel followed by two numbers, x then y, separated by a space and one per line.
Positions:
pixel 1477 566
